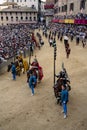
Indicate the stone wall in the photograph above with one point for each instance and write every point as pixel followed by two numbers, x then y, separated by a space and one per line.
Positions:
pixel 4 65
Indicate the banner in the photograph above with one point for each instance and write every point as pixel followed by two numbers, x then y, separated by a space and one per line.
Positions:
pixel 66 20
pixel 61 21
pixel 55 21
pixel 71 21
pixel 80 21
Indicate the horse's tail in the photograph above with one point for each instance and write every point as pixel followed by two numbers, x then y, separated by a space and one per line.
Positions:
pixel 9 68
pixel 62 65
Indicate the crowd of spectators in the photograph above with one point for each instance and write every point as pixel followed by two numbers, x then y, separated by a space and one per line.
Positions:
pixel 15 38
pixel 72 31
pixel 71 16
pixel 68 28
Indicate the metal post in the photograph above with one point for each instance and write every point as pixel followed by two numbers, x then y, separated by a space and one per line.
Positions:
pixel 55 48
pixel 14 56
pixel 54 66
pixel 67 7
pixel 29 57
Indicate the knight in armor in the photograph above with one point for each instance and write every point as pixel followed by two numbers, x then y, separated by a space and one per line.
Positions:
pixel 63 76
pixel 35 63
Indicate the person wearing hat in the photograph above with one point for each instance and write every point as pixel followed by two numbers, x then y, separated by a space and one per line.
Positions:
pixel 64 100
pixel 66 39
pixel 13 69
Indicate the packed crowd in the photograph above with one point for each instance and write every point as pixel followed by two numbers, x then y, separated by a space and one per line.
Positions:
pixel 66 32
pixel 77 16
pixel 15 38
pixel 72 31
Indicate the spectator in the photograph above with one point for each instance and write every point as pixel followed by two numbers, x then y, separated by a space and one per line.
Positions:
pixel 13 71
pixel 32 81
pixel 64 100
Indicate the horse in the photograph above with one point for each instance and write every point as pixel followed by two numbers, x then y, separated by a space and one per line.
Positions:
pixel 18 69
pixel 38 72
pixel 62 80
pixel 20 66
pixel 67 49
pixel 22 63
pixel 25 66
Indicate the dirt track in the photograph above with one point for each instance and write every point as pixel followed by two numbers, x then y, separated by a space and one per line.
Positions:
pixel 20 111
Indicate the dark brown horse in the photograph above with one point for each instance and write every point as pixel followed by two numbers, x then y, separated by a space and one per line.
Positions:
pixel 37 72
pixel 62 80
pixel 67 49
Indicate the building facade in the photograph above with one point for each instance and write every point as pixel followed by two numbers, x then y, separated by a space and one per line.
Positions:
pixel 49 13
pixel 68 7
pixel 42 6
pixel 50 1
pixel 3 7
pixel 18 15
pixel 27 3
pixel 42 18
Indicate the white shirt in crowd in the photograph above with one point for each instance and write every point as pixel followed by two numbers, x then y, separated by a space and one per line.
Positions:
pixel 66 38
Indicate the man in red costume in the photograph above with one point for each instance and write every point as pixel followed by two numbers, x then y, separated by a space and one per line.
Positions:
pixel 38 69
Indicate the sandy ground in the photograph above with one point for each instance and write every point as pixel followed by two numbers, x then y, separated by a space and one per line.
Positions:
pixel 21 111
